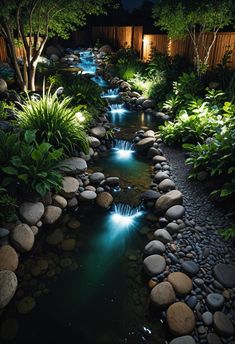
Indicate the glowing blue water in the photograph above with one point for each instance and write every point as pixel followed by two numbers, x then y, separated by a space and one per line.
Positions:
pixel 124 215
pixel 117 109
pixel 100 81
pixel 111 93
pixel 123 149
pixel 87 63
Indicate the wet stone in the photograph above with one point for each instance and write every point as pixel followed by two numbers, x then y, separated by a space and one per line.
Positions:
pixel 212 338
pixel 183 340
pixel 154 247
pixel 215 301
pixel 225 274
pixel 192 301
pixel 189 267
pixel 207 318
pixel 154 264
pixel 223 324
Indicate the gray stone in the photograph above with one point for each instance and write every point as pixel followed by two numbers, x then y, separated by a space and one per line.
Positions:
pixel 172 228
pixel 215 301
pixel 212 338
pixel 59 201
pixel 149 133
pixel 174 213
pixel 160 176
pixel 144 144
pixel 3 85
pixel 94 142
pixel 87 196
pixel 168 200
pixel 51 214
pixel 190 268
pixel 163 235
pixel 159 159
pixel 166 185
pixel 162 295
pixel 70 187
pixel 8 258
pixel 154 247
pixel 207 318
pixel 183 340
pixel 23 237
pixel 225 274
pixel 223 324
pixel 154 264
pixel 148 104
pixel 8 286
pixel 98 132
pixel 30 212
pixel 112 181
pixel 73 166
pixel 150 195
pixel 96 177
pixel 4 232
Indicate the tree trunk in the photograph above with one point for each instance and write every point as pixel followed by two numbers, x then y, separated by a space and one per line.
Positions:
pixel 32 76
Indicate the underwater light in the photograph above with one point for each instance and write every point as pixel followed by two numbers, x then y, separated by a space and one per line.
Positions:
pixel 111 93
pixel 124 215
pixel 125 154
pixel 117 109
pixel 122 220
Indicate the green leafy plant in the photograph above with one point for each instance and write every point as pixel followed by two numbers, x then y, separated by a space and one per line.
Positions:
pixel 8 206
pixel 31 166
pixel 126 69
pixel 227 233
pixel 55 122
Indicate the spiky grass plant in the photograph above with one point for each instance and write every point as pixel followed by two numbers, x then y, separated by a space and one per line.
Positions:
pixel 54 121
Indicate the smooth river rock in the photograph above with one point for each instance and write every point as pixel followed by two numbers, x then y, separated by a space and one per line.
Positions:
pixel 174 213
pixel 104 200
pixel 180 319
pixel 8 285
pixel 8 258
pixel 181 283
pixel 70 187
pixel 144 144
pixel 154 247
pixel 23 237
pixel 154 264
pixel 168 200
pixel 215 301
pixel 162 295
pixel 97 177
pixel 160 176
pixel 73 166
pixel 183 340
pixel 30 212
pixel 166 185
pixel 223 324
pixel 51 214
pixel 225 274
pixel 190 268
pixel 98 132
pixel 163 235
pixel 87 196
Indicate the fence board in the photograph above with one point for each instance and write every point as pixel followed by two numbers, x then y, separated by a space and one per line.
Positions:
pixel 138 38
pixel 157 42
pixel 124 36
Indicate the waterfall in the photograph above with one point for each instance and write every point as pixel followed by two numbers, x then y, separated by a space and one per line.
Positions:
pixel 117 108
pixel 111 93
pixel 123 215
pixel 99 80
pixel 87 62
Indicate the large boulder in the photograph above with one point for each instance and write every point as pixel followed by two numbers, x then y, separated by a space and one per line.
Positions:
pixel 180 319
pixel 8 285
pixel 3 85
pixel 166 201
pixel 70 187
pixel 51 215
pixel 31 213
pixel 104 200
pixel 8 258
pixel 144 144
pixel 23 237
pixel 162 295
pixel 74 165
pixel 154 264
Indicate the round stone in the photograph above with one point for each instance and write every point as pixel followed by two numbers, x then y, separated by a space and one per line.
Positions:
pixel 26 304
pixel 59 201
pixel 162 295
pixel 104 200
pixel 8 285
pixel 215 301
pixel 96 177
pixel 207 318
pixel 180 319
pixel 8 258
pixel 223 324
pixel 183 340
pixel 112 181
pixel 212 338
pixel 98 132
pixel 174 213
pixel 51 214
pixel 154 247
pixel 150 195
pixel 4 232
pixel 23 237
pixel 74 224
pixel 172 228
pixel 160 176
pixel 163 235
pixel 87 196
pixel 154 264
pixel 94 142
pixel 55 238
pixel 158 159
pixel 68 244
pixel 73 166
pixel 144 144
pixel 31 213
pixel 225 274
pixel 166 185
pixel 181 283
pixel 70 187
pixel 168 200
pixel 190 268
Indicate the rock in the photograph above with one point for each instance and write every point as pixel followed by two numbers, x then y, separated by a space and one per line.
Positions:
pixel 174 213
pixel 163 235
pixel 105 49
pixel 180 319
pixel 192 301
pixel 68 244
pixel 225 274
pixel 207 318
pixel 90 188
pixel 74 224
pixel 73 166
pixel 144 144
pixel 26 305
pixel 172 228
pixel 104 200
pixel 154 247
pixel 94 142
pixel 168 200
pixel 212 338
pixel 190 268
pixel 4 232
pixel 124 85
pixel 150 195
pixel 181 283
pixel 166 185
pixel 215 301
pixel 87 196
pixel 96 177
pixel 55 238
pixel 53 50
pixel 3 85
pixel 112 181
pixel 31 213
pixel 73 202
pixel 54 58
pixel 99 132
pixel 23 237
pixel 70 187
pixel 162 295
pixel 140 100
pixel 8 285
pixel 152 152
pixel 159 159
pixel 59 201
pixel 149 133
pixel 154 264
pixel 8 258
pixel 51 214
pixel 148 104
pixel 223 324
pixel 160 176
pixel 183 340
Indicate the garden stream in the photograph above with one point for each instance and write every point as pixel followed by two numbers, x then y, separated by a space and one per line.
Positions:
pixel 95 294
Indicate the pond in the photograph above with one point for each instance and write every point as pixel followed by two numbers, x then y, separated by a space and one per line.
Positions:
pixel 95 293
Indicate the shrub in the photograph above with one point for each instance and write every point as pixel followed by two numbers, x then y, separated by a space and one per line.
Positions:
pixel 31 166
pixel 126 69
pixel 55 122
pixel 125 53
pixel 7 206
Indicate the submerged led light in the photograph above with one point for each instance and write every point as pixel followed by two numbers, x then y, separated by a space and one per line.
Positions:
pixel 125 154
pixel 124 215
pixel 122 220
pixel 117 109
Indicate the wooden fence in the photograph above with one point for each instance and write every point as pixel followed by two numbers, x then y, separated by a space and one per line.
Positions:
pixel 132 36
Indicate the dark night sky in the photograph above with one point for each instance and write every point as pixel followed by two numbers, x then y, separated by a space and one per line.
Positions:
pixel 131 4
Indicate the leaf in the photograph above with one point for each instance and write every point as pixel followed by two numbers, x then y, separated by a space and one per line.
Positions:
pixel 30 136
pixel 36 155
pixel 16 161
pixel 225 192
pixel 23 177
pixel 41 189
pixel 10 170
pixel 44 147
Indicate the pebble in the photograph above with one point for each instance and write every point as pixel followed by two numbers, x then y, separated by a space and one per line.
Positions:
pixel 190 267
pixel 215 301
pixel 223 324
pixel 207 318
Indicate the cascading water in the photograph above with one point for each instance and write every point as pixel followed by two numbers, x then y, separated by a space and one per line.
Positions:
pixel 123 149
pixel 125 215
pixel 100 81
pixel 87 63
pixel 117 109
pixel 111 93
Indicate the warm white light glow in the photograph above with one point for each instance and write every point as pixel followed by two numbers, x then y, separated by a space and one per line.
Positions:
pixel 122 220
pixel 125 154
pixel 80 117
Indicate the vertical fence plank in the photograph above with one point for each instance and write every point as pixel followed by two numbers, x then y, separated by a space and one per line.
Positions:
pixel 138 39
pixel 156 42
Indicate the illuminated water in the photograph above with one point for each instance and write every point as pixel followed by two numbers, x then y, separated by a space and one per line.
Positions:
pixel 111 93
pixel 117 109
pixel 100 81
